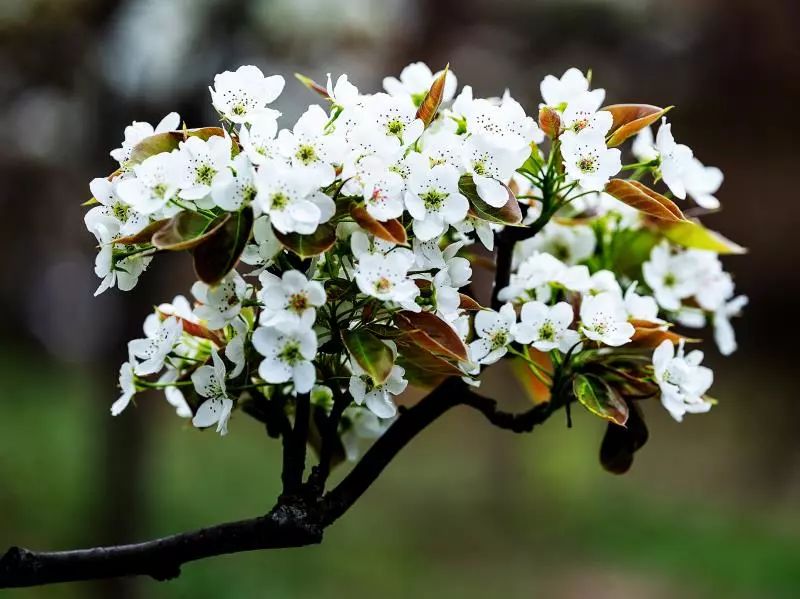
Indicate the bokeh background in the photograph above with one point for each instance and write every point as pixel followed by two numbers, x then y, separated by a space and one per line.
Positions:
pixel 711 507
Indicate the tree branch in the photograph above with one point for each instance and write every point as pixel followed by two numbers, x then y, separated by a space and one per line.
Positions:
pixel 295 522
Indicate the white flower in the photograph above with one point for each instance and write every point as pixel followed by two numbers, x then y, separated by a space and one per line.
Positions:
pixel 702 182
pixel 220 303
pixel 672 278
pixel 205 161
pixel 588 161
pixel 234 351
pixel 581 114
pixel 288 351
pixel 494 330
pixel 535 271
pixel 127 386
pixel 570 244
pixel 155 182
pixel 344 93
pixel 173 394
pixel 604 281
pixel 258 140
pixel 675 159
pixel 433 200
pixel 288 196
pixel 266 246
pixel 443 146
pixel 484 230
pixel 359 426
pixel 209 382
pixel 505 125
pixel 491 167
pixel 546 327
pixel 604 319
pixel 393 118
pixel 155 348
pixel 290 298
pixel 386 277
pixel 235 186
pixel 115 215
pixel 644 146
pixel 641 307
pixel 383 190
pixel 137 131
pixel 723 331
pixel 378 397
pixel 309 149
pixel 242 96
pixel 682 380
pixel 415 81
pixel 111 268
pixel 573 85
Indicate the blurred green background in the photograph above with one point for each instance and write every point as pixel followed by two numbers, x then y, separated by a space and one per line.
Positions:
pixel 710 508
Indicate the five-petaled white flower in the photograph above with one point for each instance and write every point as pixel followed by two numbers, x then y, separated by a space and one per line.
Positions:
pixel 385 276
pixel 546 327
pixel 702 182
pixel 209 382
pixel 308 148
pixel 288 351
pixel 127 385
pixel 138 131
pixel 290 298
pixel 155 183
pixel 494 330
pixel 675 159
pixel 290 199
pixel 205 164
pixel 242 96
pixel 415 81
pixel 433 199
pixel 220 303
pixel 573 85
pixel 604 319
pixel 156 346
pixel 588 161
pixel 235 186
pixel 682 380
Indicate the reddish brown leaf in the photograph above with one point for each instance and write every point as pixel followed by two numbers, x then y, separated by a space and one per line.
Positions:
pixel 644 199
pixel 313 85
pixel 186 230
pixel 145 235
pixel 549 121
pixel 621 442
pixel 431 332
pixel 508 214
pixel 423 368
pixel 168 141
pixel 430 104
pixel 196 330
pixel 650 334
pixel 469 304
pixel 390 230
pixel 629 119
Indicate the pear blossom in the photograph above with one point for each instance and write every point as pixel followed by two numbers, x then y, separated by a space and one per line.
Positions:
pixel 494 331
pixel 235 349
pixel 127 385
pixel 377 396
pixel 570 244
pixel 115 215
pixel 683 382
pixel 242 96
pixel 383 190
pixel 173 394
pixel 573 85
pixel 588 161
pixel 209 382
pixel 138 131
pixel 312 152
pixel 343 93
pixel 386 277
pixel 674 160
pixel 360 425
pixel 640 307
pixel 415 81
pixel 155 182
pixel 702 182
pixel 259 140
pixel 266 246
pixel 220 303
pixel 205 165
pixel 546 327
pixel 491 167
pixel 288 352
pixel 156 347
pixel 291 297
pixel 505 124
pixel 581 114
pixel 289 198
pixel 723 331
pixel 113 265
pixel 235 186
pixel 434 201
pixel 395 118
pixel 604 319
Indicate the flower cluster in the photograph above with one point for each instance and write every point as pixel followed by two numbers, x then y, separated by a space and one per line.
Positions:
pixel 335 257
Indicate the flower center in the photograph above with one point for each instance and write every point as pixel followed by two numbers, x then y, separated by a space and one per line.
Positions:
pixel 279 201
pixel 547 331
pixel 382 285
pixel 588 163
pixel 499 339
pixel 298 302
pixel 205 174
pixel 395 127
pixel 306 154
pixel 291 353
pixel 434 199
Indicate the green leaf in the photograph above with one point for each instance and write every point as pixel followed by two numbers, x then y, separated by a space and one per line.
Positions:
pixel 599 398
pixel 219 252
pixel 645 200
pixel 186 230
pixel 307 246
pixel 692 234
pixel 508 214
pixel 629 119
pixel 168 141
pixel 372 354
pixel 621 442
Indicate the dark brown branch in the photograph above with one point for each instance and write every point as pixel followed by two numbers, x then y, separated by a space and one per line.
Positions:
pixel 296 521
pixel 284 526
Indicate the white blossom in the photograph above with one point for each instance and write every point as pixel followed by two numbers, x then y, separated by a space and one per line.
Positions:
pixel 219 304
pixel 155 182
pixel 588 161
pixel 434 201
pixel 494 331
pixel 675 160
pixel 288 352
pixel 573 85
pixel 290 298
pixel 682 380
pixel 127 385
pixel 138 131
pixel 415 81
pixel 155 348
pixel 209 382
pixel 604 319
pixel 546 327
pixel 242 96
